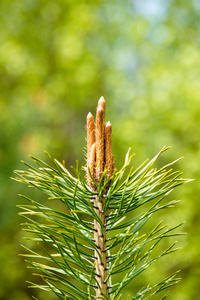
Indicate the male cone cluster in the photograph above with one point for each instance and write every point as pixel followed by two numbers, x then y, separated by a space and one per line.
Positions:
pixel 99 146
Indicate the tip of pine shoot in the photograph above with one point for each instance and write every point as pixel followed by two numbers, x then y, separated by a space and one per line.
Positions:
pixel 101 103
pixel 89 115
pixel 101 100
pixel 108 124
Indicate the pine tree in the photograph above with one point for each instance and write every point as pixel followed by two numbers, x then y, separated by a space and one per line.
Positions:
pixel 83 251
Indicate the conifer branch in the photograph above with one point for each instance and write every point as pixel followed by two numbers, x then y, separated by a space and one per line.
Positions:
pixel 94 242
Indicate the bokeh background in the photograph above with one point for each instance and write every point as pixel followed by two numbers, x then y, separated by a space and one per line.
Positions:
pixel 56 59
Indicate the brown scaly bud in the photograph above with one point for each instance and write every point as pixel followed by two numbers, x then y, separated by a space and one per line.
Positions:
pixel 90 133
pixel 102 104
pixel 91 167
pixel 90 140
pixel 100 140
pixel 101 155
pixel 108 149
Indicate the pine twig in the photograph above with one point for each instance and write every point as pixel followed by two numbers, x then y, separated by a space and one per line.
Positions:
pixel 96 164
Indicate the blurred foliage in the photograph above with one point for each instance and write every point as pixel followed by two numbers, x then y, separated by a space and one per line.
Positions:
pixel 56 60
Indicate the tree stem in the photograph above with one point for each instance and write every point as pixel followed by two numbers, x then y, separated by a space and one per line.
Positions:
pixel 100 240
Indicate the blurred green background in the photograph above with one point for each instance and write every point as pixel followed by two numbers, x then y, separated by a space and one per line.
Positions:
pixel 56 59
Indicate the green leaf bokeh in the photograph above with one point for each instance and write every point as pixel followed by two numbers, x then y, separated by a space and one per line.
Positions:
pixel 56 60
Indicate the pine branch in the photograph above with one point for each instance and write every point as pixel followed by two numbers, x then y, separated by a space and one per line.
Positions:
pixel 98 239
